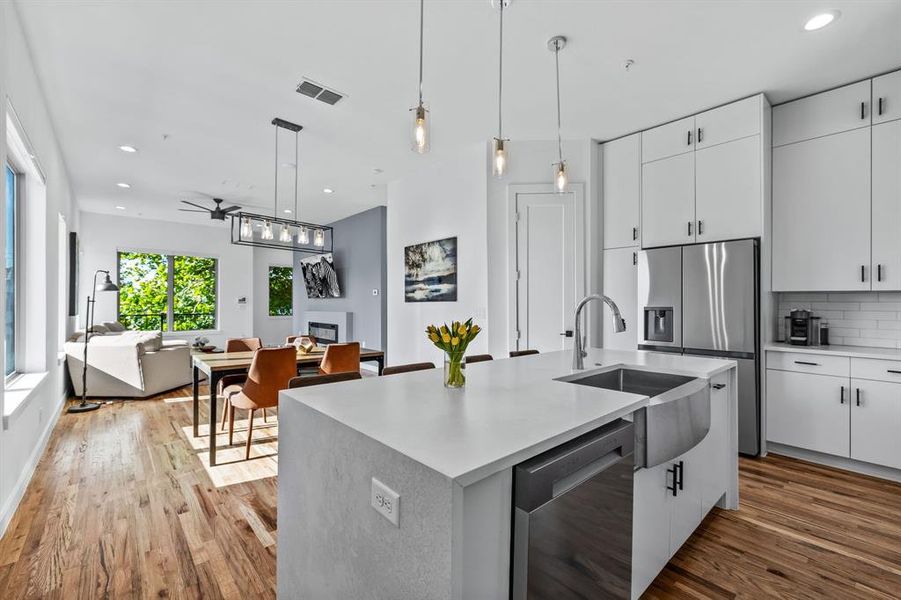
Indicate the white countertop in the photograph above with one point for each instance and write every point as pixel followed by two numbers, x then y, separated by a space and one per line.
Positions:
pixel 509 411
pixel 852 351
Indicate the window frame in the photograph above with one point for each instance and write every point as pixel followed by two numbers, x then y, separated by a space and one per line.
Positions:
pixel 170 288
pixel 290 315
pixel 19 180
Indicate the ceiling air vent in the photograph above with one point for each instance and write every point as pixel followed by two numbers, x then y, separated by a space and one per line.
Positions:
pixel 312 89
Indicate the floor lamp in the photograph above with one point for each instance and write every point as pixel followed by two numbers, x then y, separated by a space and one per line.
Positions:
pixel 104 286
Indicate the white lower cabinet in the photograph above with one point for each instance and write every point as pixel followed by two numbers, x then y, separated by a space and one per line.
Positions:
pixel 876 422
pixel 663 519
pixel 808 411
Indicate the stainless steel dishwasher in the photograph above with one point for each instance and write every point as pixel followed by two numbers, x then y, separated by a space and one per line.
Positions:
pixel 572 518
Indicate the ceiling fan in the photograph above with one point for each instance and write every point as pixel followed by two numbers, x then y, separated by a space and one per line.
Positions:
pixel 218 213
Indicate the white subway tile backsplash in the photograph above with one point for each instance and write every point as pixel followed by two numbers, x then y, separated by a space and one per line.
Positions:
pixel 855 318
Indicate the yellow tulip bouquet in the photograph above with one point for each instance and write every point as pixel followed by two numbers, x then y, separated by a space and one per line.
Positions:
pixel 453 341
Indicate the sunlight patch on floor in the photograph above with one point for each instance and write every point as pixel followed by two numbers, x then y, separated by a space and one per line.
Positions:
pixel 231 467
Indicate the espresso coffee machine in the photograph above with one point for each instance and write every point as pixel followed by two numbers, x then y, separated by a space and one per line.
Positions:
pixel 802 328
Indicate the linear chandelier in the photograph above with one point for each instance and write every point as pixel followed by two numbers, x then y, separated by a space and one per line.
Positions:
pixel 254 229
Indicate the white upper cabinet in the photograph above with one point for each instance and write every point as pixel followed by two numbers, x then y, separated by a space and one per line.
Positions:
pixel 668 201
pixel 728 190
pixel 821 214
pixel 838 110
pixel 887 97
pixel 668 140
pixel 621 284
pixel 886 231
pixel 730 122
pixel 622 191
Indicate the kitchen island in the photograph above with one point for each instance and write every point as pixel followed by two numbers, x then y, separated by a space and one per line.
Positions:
pixel 449 455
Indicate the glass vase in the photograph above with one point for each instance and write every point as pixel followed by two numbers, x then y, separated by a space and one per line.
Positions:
pixel 454 372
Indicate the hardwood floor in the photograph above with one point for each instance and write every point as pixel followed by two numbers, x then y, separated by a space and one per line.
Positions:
pixel 123 505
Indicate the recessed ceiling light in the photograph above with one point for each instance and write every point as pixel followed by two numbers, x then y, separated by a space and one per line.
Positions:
pixel 124 185
pixel 821 20
pixel 328 191
pixel 129 149
pixel 287 211
pixel 120 208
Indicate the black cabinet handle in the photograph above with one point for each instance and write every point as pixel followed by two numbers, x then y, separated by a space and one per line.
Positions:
pixel 689 229
pixel 718 386
pixel 880 106
pixel 878 272
pixel 858 396
pixel 700 227
pixel 700 135
pixel 634 258
pixel 675 473
pixel 804 362
pixel 689 138
pixel 842 395
pixel 567 333
pixel 862 277
pixel 893 371
pixel 862 113
pixel 634 233
pixel 681 467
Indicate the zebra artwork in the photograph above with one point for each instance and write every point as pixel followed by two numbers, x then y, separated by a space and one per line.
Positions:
pixel 320 277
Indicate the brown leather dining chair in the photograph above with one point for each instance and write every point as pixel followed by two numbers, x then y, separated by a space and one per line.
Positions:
pixel 299 382
pixel 236 345
pixel 398 369
pixel 340 358
pixel 477 358
pixel 515 353
pixel 270 371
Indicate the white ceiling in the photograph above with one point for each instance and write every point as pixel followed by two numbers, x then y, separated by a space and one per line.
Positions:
pixel 210 75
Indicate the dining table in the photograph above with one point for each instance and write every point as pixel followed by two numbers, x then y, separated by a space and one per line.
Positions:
pixel 216 366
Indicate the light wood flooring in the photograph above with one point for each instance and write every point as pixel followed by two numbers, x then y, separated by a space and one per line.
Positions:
pixel 123 505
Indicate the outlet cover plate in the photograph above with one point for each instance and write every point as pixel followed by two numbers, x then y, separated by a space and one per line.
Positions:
pixel 385 501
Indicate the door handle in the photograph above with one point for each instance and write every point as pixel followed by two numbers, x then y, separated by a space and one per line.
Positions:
pixel 689 138
pixel 700 227
pixel 567 333
pixel 862 276
pixel 718 386
pixel 858 396
pixel 689 229
pixel 842 394
pixel 634 258
pixel 700 135
pixel 634 233
pixel 675 473
pixel 878 272
pixel 804 362
pixel 862 110
pixel 681 466
pixel 880 107
pixel 893 371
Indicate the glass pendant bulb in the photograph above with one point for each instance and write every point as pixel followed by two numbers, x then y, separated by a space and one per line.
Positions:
pixel 246 228
pixel 267 231
pixel 420 130
pixel 319 238
pixel 285 235
pixel 560 177
pixel 303 235
pixel 499 160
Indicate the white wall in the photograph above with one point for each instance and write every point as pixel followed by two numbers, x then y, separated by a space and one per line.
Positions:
pixel 102 236
pixel 24 434
pixel 273 330
pixel 444 199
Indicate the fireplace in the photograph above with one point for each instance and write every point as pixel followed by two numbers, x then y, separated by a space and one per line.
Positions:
pixel 325 333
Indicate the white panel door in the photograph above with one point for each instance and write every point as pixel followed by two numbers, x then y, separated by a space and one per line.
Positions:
pixel 671 139
pixel 668 201
pixel 730 122
pixel 821 214
pixel 621 285
pixel 809 411
pixel 831 112
pixel 728 199
pixel 887 97
pixel 876 422
pixel 887 206
pixel 622 191
pixel 546 257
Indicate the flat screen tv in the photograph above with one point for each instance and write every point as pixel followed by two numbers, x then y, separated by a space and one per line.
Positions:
pixel 319 276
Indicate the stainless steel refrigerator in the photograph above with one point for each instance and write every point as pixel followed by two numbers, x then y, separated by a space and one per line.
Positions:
pixel 703 300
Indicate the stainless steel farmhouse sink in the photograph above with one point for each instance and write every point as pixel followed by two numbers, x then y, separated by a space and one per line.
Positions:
pixel 676 419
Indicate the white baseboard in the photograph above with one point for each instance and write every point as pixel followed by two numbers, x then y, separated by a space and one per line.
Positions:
pixel 18 492
pixel 848 464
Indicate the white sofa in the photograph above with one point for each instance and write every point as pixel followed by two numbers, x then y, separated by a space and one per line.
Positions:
pixel 129 364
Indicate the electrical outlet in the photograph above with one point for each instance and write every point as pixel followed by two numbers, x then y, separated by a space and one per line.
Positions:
pixel 385 501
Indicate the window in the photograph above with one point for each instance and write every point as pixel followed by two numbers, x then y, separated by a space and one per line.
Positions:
pixel 11 256
pixel 281 291
pixel 167 292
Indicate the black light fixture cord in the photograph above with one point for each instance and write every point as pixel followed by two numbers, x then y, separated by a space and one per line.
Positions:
pixel 421 27
pixel 500 74
pixel 275 203
pixel 557 63
pixel 296 171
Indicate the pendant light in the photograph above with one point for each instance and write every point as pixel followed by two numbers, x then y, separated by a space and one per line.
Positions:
pixel 499 156
pixel 420 113
pixel 561 179
pixel 246 228
pixel 267 230
pixel 319 238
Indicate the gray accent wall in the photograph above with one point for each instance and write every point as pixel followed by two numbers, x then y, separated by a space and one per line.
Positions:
pixel 360 261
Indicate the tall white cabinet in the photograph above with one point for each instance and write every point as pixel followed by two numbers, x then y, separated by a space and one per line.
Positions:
pixel 702 177
pixel 837 189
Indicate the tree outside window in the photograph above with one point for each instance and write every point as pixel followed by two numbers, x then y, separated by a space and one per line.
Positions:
pixel 167 292
pixel 281 291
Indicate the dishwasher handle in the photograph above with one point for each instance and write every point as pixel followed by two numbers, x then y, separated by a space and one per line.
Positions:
pixel 552 474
